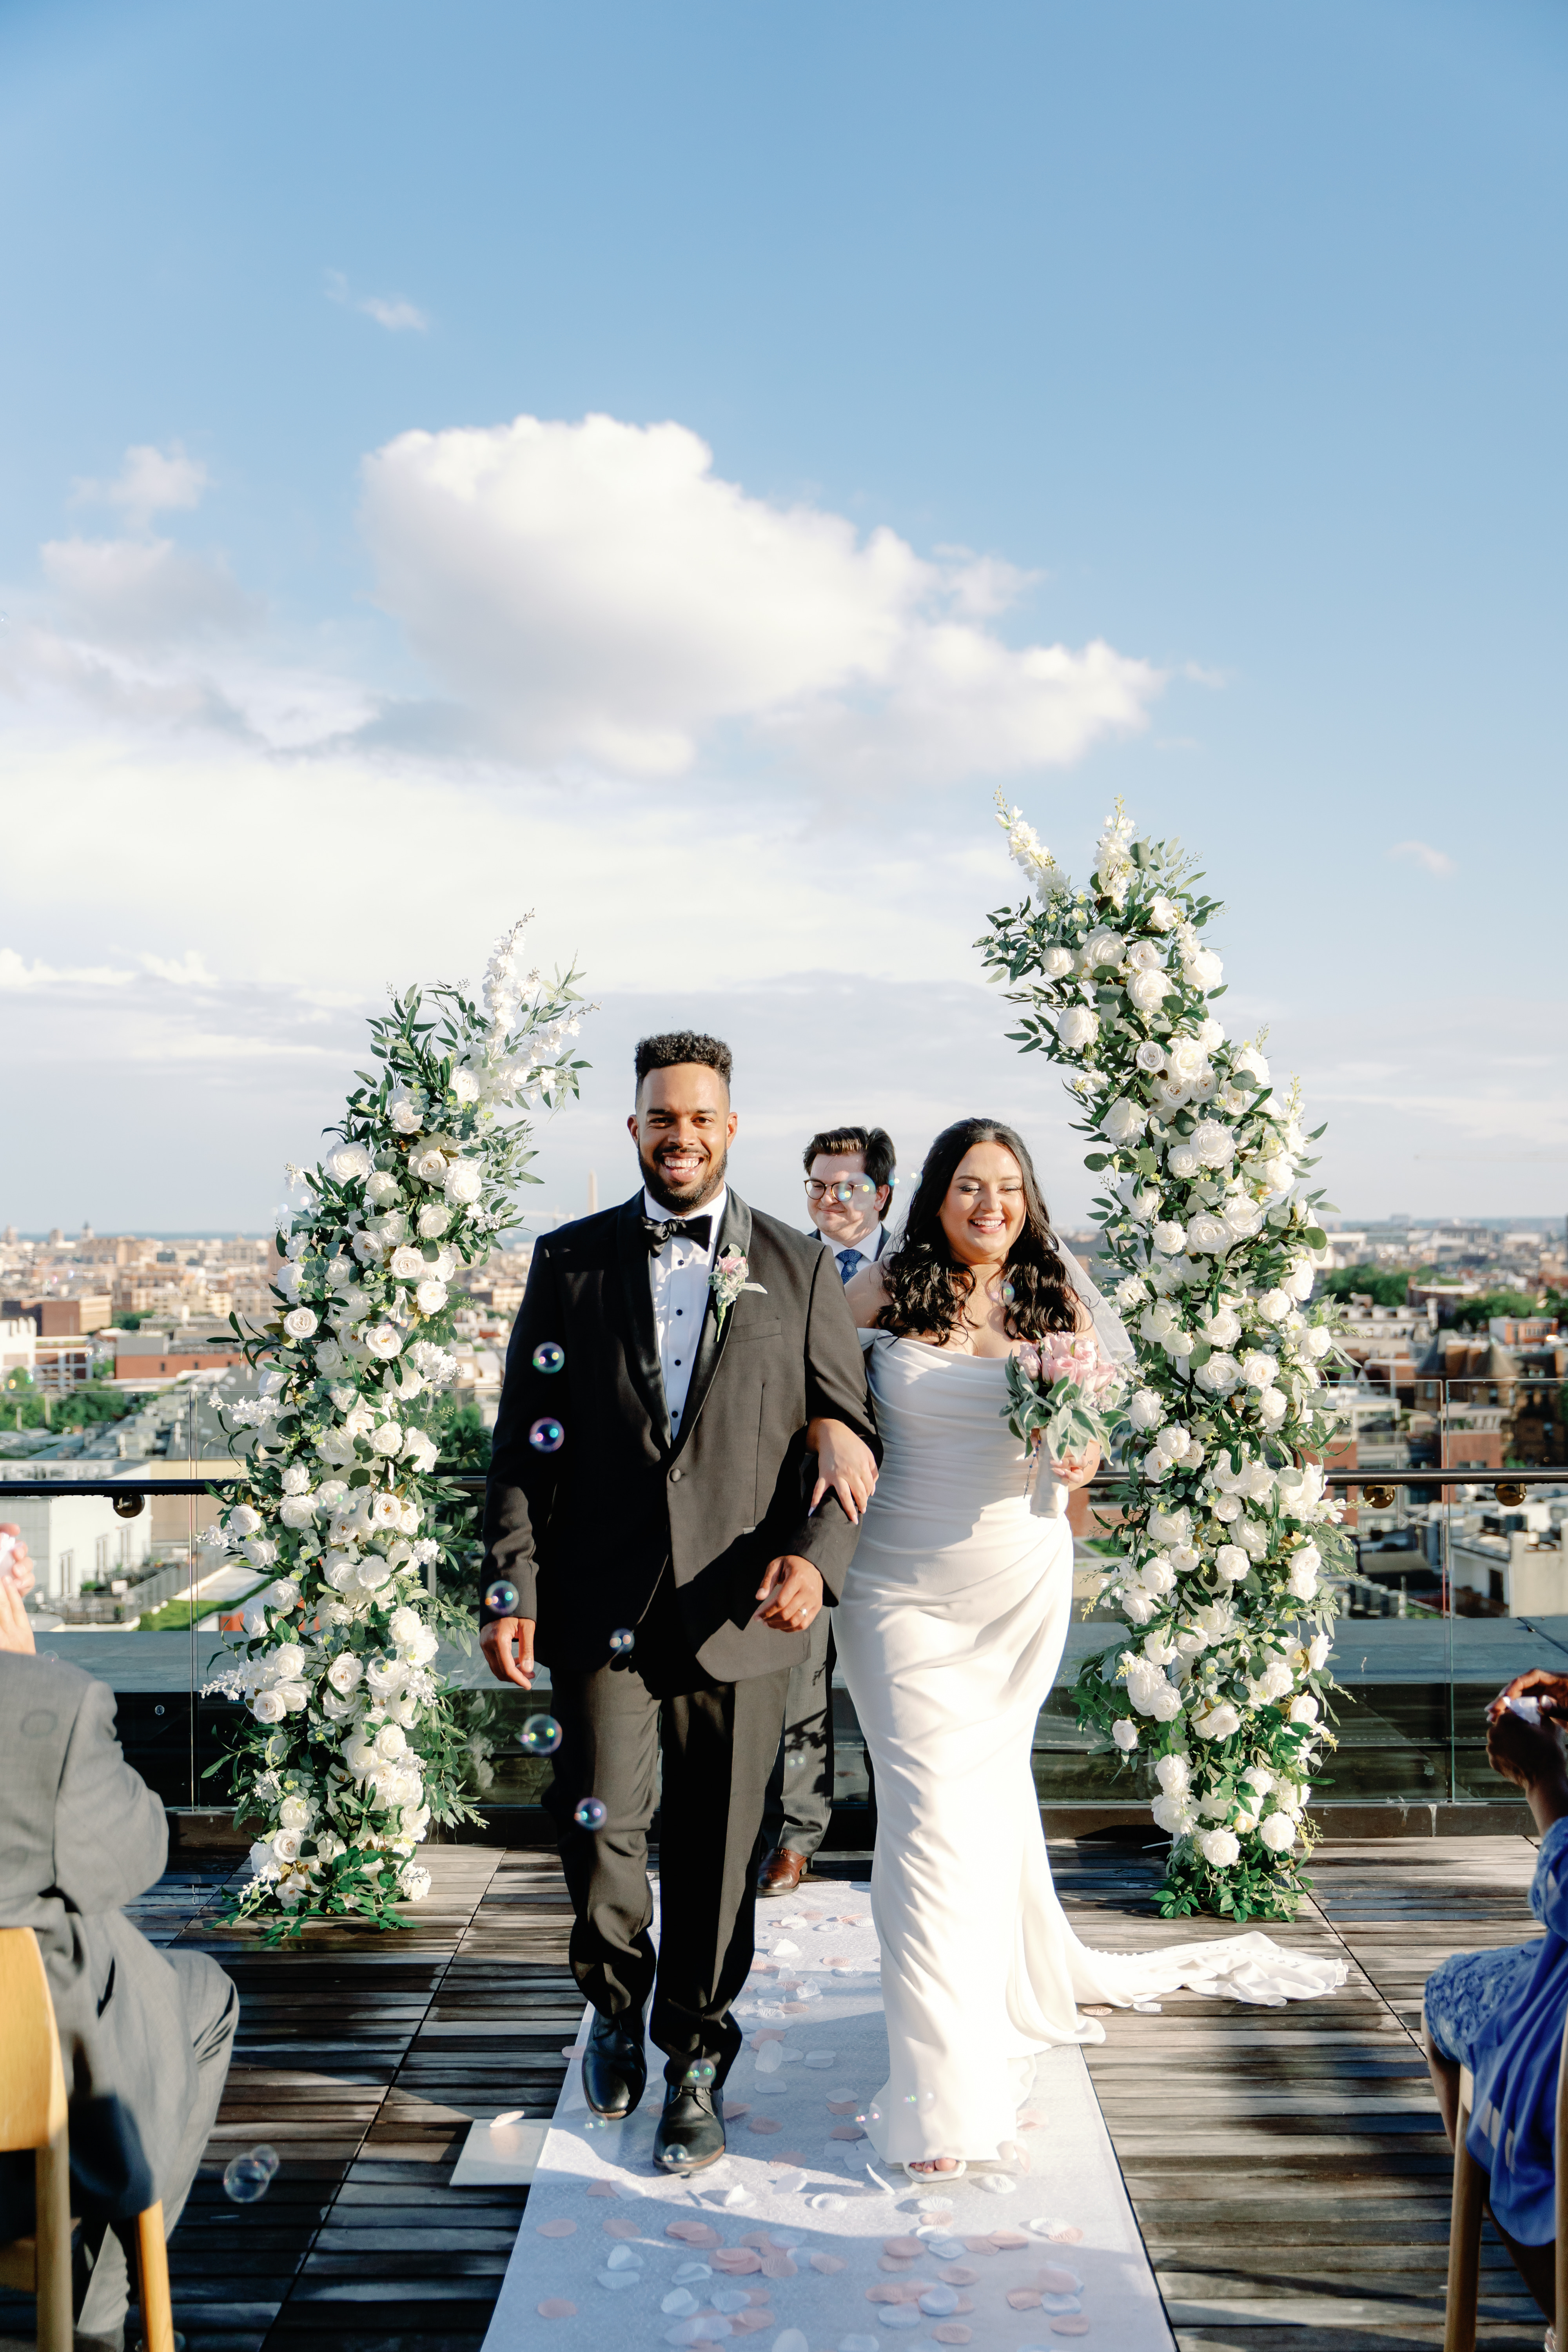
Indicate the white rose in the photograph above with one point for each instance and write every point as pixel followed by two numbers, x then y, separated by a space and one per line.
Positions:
pixel 298 1323
pixel 1213 1141
pixel 360 1755
pixel 1219 1375
pixel 1148 990
pixel 297 1510
pixel 1145 1411
pixel 348 1161
pixel 1314 1341
pixel 284 1594
pixel 1209 1233
pixel 1138 1608
pixel 243 1520
pixel 465 1086
pixel 407 1263
pixel 295 1812
pixel 374 1568
pixel 387 1438
pixel 1302 1583
pixel 1272 1306
pixel 429 1164
pixel 286 1844
pixel 1056 963
pixel 1304 1709
pixel 1166 1703
pixel 263 1862
pixel 465 1182
pixel 403 1624
pixel 1077 1028
pixel 1125 1734
pixel 1145 955
pixel 1231 1563
pixel 1173 1814
pixel 1273 1405
pixel 1203 968
pixel 419 1450
pixel 1163 916
pixel 1243 1217
pixel 259 1550
pixel 266 1706
pixel 404 1115
pixel 383 1340
pixel 1123 1121
pixel 433 1221
pixel 430 1297
pixel 386 1511
pixel 1169 1237
pixel 1221 1721
pixel 1279 1832
pixel 1318 1650
pixel 1274 1682
pixel 1185 1060
pixel 1249 1063
pixel 1219 1848
pixel 1174 1775
pixel 1258 1369
pixel 391 1741
pixel 1169 1526
pixel 1181 1162
pixel 1222 1326
pixel 344 1673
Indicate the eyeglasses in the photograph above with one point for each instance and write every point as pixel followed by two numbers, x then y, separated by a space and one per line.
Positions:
pixel 846 1188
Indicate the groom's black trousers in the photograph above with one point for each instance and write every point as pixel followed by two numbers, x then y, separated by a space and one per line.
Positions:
pixel 718 1743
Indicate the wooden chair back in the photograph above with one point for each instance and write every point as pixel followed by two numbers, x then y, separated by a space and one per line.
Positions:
pixel 33 2115
pixel 1465 2218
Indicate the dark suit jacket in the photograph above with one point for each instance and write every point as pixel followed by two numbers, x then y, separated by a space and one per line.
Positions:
pixel 81 1834
pixel 585 1533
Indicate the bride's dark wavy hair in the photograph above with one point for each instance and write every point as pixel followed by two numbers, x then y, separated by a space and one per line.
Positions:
pixel 927 1286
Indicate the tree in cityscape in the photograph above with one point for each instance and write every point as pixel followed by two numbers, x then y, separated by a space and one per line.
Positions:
pixel 354 1745
pixel 1216 1678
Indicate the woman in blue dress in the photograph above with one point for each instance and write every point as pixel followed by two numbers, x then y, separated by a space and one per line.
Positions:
pixel 1501 2013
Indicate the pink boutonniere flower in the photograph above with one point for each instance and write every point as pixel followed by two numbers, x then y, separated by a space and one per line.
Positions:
pixel 729 1277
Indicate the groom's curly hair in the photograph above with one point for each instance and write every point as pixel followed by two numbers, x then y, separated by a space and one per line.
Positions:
pixel 928 1287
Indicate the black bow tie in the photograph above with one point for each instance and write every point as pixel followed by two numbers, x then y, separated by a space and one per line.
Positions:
pixel 675 1229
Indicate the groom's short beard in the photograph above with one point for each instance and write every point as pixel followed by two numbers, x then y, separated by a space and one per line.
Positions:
pixel 685 1203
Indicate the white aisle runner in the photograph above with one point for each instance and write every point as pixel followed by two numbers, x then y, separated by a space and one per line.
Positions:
pixel 793 2238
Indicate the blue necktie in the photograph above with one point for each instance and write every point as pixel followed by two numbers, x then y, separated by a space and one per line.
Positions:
pixel 849 1264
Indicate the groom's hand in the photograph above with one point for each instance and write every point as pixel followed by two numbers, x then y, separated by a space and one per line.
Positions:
pixel 790 1594
pixel 499 1639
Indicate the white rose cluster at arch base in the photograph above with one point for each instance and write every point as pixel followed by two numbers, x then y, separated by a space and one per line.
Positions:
pixel 352 1746
pixel 1218 1676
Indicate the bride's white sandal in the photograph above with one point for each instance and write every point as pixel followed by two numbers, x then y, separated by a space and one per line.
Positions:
pixel 929 2177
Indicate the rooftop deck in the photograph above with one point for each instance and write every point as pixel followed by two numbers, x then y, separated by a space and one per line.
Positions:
pixel 1287 2166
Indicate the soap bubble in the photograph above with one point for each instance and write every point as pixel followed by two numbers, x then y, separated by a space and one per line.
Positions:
pixel 703 2070
pixel 591 1814
pixel 549 1356
pixel 267 2156
pixel 1008 1293
pixel 540 1735
pixel 246 2179
pixel 547 1437
pixel 622 1640
pixel 502 1598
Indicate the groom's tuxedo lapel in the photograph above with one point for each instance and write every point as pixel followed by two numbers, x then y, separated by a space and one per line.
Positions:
pixel 642 1348
pixel 735 1233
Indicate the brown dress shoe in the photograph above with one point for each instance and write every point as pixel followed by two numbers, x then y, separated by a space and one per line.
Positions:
pixel 782 1873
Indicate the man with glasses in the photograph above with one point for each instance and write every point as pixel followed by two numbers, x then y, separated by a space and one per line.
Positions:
pixel 848 1192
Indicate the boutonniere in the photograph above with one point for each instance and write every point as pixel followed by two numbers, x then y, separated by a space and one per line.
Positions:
pixel 727 1280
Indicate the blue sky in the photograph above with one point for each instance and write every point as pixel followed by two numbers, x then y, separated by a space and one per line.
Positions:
pixel 1226 338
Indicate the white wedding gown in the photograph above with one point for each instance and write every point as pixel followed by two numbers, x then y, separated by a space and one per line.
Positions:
pixel 949 1632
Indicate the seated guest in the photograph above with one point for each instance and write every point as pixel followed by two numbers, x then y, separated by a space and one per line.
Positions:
pixel 144 2036
pixel 848 1192
pixel 1501 2013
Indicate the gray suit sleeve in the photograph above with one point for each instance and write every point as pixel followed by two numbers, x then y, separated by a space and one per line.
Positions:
pixel 112 1836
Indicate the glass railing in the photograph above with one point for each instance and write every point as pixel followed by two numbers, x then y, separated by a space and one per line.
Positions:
pixel 1460 1581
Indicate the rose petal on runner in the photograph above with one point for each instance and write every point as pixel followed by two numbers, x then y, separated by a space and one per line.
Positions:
pixel 1070 2327
pixel 826 2263
pixel 734 2261
pixel 847 2131
pixel 842 2107
pixel 957 2275
pixel 778 2265
pixel 950 2332
pixel 556 2307
pixel 904 2250
pixel 1023 2298
pixel 764 2123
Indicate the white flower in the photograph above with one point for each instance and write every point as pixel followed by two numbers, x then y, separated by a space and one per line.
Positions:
pixel 1213 1141
pixel 403 1624
pixel 1185 1060
pixel 1220 1721
pixel 1174 1775
pixel 374 1569
pixel 465 1086
pixel 1123 1121
pixel 1218 1848
pixel 266 1706
pixel 1231 1563
pixel 1077 1028
pixel 286 1844
pixel 359 1754
pixel 1243 1217
pixel 348 1161
pixel 1219 1375
pixel 1222 1326
pixel 1163 916
pixel 1174 1814
pixel 1056 963
pixel 419 1450
pixel 428 1163
pixel 430 1297
pixel 1249 1063
pixel 1304 1709
pixel 1150 1055
pixel 391 1741
pixel 414 1881
pixel 263 1862
pixel 1131 1292
pixel 465 1182
pixel 1145 1411
pixel 386 1511
pixel 298 1323
pixel 1181 1162
pixel 284 1594
pixel 387 1438
pixel 434 1220
pixel 296 1812
pixel 1125 1734
pixel 1302 1583
pixel 384 1340
pixel 407 1263
pixel 1258 1777
pixel 259 1550
pixel 296 1478
pixel 1258 1369
pixel 1274 1682
pixel 1318 1651
pixel 1209 1233
pixel 243 1520
pixel 344 1673
pixel 1148 990
pixel 1170 1526
pixel 1314 1341
pixel 1202 967
pixel 1279 1832
pixel 405 1114
pixel 1169 1237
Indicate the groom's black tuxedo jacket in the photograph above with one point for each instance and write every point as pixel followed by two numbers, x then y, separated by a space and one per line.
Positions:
pixel 584 1533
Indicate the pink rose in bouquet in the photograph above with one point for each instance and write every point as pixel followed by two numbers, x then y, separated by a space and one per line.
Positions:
pixel 1060 1389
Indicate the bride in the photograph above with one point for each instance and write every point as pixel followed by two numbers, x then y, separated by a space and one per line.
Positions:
pixel 949 1632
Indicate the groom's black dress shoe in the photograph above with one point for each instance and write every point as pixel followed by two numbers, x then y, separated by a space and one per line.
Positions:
pixel 690 2130
pixel 615 2064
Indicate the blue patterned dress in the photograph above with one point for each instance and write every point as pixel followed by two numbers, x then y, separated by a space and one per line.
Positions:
pixel 1500 2014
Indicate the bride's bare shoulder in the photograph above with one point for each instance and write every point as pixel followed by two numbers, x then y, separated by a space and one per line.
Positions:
pixel 868 1294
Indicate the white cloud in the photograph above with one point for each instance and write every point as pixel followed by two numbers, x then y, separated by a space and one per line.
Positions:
pixel 144 592
pixel 152 481
pixel 598 595
pixel 1421 854
pixel 395 312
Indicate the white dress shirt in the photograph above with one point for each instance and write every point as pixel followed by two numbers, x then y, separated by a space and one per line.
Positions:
pixel 870 1246
pixel 678 1275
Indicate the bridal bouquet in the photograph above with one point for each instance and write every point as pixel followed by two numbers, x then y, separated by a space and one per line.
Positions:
pixel 1217 1676
pixel 352 1742
pixel 1054 1388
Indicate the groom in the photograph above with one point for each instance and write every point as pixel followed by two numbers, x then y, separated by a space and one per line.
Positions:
pixel 675 1510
